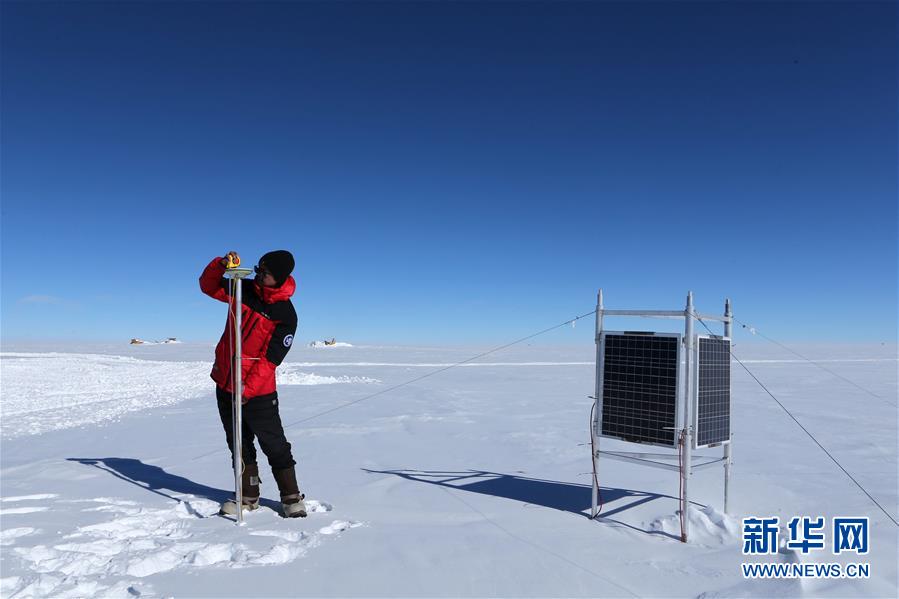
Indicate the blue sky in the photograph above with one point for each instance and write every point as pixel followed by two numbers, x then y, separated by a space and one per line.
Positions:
pixel 450 172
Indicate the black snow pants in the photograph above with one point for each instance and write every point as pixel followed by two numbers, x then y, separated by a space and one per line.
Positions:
pixel 262 421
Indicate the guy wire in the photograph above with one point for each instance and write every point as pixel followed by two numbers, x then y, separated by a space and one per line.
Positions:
pixel 755 331
pixel 805 430
pixel 438 371
pixel 424 376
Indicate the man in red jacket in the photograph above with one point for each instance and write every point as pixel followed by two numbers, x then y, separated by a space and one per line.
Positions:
pixel 268 323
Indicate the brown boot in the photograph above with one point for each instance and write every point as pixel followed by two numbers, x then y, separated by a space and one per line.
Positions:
pixel 291 499
pixel 249 489
pixel 250 482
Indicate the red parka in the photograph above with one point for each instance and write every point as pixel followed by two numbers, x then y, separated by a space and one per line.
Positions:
pixel 268 324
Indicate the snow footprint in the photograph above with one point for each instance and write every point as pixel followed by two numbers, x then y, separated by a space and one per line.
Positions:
pixel 313 506
pixel 288 535
pixel 197 508
pixel 139 541
pixel 338 526
pixel 21 510
pixel 28 497
pixel 196 554
pixel 9 584
pixel 9 536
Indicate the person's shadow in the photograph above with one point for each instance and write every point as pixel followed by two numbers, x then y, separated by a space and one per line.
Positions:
pixel 567 497
pixel 156 480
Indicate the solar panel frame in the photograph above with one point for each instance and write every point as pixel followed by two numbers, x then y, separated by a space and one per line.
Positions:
pixel 607 413
pixel 711 429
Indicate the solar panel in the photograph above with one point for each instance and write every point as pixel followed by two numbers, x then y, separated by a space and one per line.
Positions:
pixel 639 386
pixel 712 420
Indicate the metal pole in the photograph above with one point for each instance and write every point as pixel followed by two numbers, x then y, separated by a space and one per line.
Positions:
pixel 688 399
pixel 728 460
pixel 237 372
pixel 597 408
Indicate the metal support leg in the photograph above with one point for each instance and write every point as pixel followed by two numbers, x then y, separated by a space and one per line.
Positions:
pixel 728 459
pixel 688 400
pixel 236 274
pixel 597 410
pixel 238 405
pixel 727 465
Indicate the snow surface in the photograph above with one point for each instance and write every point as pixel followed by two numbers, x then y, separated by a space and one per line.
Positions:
pixel 50 391
pixel 471 482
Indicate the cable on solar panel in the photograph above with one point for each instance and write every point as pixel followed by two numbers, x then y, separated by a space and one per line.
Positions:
pixel 593 459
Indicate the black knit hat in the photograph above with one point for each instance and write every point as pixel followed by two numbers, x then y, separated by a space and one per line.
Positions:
pixel 280 263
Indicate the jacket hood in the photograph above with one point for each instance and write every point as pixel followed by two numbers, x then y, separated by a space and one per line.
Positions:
pixel 270 295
